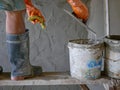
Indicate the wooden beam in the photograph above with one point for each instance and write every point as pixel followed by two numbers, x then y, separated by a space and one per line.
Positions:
pixel 114 84
pixel 50 78
pixel 84 87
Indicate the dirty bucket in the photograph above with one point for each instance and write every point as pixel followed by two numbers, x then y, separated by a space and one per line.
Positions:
pixel 85 58
pixel 112 56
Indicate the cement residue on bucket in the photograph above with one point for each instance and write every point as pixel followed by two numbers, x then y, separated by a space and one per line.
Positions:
pixel 112 56
pixel 85 58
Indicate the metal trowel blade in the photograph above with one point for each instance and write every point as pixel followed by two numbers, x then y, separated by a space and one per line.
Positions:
pixel 79 21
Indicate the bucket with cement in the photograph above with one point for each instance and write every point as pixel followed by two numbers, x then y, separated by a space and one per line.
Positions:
pixel 85 58
pixel 112 56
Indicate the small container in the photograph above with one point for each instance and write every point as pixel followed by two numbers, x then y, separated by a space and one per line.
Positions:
pixel 85 58
pixel 112 56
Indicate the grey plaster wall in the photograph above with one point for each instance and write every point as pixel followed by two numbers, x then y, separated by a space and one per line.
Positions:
pixel 114 13
pixel 48 48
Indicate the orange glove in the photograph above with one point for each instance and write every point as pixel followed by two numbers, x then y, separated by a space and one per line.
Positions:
pixel 79 9
pixel 34 15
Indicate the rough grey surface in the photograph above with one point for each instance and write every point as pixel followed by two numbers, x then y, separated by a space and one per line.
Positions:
pixel 48 48
pixel 72 87
pixel 114 17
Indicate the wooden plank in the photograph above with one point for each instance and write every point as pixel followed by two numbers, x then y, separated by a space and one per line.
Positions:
pixel 50 78
pixel 84 87
pixel 114 84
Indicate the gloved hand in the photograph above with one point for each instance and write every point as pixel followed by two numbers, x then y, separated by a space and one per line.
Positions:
pixel 79 9
pixel 34 14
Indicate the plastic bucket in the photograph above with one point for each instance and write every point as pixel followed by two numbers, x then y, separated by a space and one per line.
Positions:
pixel 112 56
pixel 85 58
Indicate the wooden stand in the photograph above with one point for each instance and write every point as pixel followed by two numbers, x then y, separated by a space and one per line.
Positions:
pixel 60 78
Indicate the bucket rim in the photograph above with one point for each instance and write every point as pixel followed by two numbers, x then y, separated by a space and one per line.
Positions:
pixel 113 37
pixel 86 45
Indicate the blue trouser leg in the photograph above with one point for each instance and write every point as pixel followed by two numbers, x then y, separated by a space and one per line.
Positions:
pixel 18 51
pixel 12 5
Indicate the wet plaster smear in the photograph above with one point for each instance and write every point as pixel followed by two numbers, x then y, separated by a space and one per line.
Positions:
pixel 48 48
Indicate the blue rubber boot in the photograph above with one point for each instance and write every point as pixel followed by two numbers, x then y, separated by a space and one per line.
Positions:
pixel 18 53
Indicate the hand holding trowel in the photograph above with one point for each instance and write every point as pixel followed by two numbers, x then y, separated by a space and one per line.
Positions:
pixel 80 12
pixel 79 9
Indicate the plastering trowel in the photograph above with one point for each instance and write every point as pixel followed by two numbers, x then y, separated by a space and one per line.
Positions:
pixel 80 22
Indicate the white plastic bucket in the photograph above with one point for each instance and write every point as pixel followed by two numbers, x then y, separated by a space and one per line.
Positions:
pixel 85 59
pixel 112 56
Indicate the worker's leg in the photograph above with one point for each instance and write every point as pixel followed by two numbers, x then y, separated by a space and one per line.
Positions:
pixel 15 22
pixel 11 25
pixel 18 41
